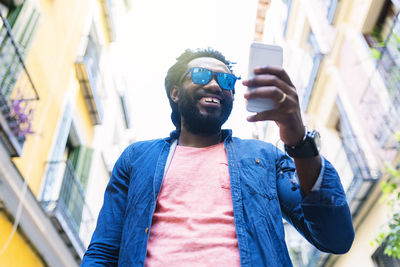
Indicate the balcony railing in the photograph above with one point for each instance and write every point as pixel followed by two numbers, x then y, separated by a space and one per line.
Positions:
pixel 389 63
pixel 18 95
pixel 66 205
pixel 88 73
pixel 107 6
pixel 384 120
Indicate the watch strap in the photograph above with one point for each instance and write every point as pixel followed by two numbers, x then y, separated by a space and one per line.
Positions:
pixel 306 149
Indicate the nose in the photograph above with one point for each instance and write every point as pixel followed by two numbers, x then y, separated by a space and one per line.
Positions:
pixel 213 85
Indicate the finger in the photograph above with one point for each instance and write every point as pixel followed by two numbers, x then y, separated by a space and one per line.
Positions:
pixel 269 80
pixel 265 115
pixel 270 92
pixel 280 72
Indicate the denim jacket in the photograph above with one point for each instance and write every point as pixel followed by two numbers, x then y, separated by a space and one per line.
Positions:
pixel 262 193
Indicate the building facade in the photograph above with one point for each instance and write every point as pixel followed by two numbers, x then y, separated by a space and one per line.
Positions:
pixel 343 57
pixel 64 119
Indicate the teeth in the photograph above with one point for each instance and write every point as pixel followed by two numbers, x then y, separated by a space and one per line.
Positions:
pixel 211 100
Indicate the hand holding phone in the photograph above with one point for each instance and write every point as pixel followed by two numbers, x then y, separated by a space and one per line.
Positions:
pixel 263 55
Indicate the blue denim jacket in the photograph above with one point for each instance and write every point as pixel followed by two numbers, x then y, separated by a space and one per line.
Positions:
pixel 262 194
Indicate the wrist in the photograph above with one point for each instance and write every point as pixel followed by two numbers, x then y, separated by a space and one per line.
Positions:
pixel 308 147
pixel 301 136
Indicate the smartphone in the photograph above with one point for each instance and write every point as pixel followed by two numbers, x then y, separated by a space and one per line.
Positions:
pixel 263 55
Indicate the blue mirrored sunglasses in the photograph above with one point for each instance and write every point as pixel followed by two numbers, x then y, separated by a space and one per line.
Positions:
pixel 203 76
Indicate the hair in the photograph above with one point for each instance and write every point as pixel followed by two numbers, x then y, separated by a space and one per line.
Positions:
pixel 176 71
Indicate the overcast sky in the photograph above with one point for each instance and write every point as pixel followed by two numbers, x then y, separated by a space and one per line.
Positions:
pixel 159 31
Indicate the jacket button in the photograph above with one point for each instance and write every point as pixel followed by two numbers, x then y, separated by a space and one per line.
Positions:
pixel 257 161
pixel 146 230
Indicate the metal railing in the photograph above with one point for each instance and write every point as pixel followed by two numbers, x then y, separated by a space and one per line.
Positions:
pixel 389 63
pixel 385 118
pixel 88 73
pixel 66 204
pixel 108 15
pixel 18 95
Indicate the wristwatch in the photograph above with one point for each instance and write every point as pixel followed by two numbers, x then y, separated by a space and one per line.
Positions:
pixel 309 146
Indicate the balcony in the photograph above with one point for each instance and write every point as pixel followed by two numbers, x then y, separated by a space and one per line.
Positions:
pixel 389 67
pixel 108 16
pixel 18 95
pixel 385 118
pixel 88 74
pixel 389 62
pixel 64 202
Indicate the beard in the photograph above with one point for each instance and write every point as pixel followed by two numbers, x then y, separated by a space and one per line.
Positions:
pixel 198 123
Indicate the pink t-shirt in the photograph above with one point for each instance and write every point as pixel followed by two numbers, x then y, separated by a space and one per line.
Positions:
pixel 193 223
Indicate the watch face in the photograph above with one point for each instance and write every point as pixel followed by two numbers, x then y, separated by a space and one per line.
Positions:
pixel 317 140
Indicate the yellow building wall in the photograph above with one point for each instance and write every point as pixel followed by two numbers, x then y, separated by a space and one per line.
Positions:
pixel 84 117
pixel 18 253
pixel 50 62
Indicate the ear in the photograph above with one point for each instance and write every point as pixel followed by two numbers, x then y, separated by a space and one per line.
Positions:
pixel 174 93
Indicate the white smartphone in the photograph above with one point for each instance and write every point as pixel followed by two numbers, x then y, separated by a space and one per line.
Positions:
pixel 263 55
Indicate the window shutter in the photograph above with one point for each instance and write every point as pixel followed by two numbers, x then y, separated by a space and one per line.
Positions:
pixel 23 21
pixel 81 158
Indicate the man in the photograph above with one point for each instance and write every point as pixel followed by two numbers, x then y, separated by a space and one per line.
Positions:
pixel 204 198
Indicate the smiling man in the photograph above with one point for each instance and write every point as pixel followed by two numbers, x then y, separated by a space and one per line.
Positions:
pixel 202 197
pixel 202 110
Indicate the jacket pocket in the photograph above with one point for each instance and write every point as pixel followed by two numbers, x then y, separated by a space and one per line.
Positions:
pixel 258 177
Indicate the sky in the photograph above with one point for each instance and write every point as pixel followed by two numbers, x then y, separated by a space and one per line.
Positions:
pixel 156 32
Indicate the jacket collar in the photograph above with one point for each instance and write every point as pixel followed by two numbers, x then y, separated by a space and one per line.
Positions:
pixel 226 135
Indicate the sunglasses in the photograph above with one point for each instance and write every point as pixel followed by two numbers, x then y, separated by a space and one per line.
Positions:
pixel 203 76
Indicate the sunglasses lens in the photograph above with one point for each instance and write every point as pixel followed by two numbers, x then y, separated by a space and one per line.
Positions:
pixel 201 76
pixel 226 81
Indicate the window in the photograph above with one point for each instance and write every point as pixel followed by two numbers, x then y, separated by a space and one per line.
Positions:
pixel 383 37
pixel 363 177
pixel 381 26
pixel 92 57
pixel 289 5
pixel 18 95
pixel 381 31
pixel 316 55
pixel 108 9
pixel 63 194
pixel 88 73
pixel 384 24
pixel 125 110
pixel 331 11
pixel 77 162
pixel 23 21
